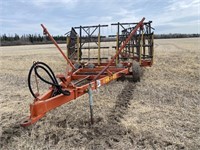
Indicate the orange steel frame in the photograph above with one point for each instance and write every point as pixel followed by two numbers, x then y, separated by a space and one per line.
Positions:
pixel 102 74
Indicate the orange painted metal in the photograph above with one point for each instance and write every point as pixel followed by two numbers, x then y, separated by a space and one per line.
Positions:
pixel 46 103
pixel 45 31
pixel 77 82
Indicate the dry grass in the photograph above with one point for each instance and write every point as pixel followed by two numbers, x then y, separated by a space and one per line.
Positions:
pixel 161 111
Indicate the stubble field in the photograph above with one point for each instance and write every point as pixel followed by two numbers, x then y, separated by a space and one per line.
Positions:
pixel 160 112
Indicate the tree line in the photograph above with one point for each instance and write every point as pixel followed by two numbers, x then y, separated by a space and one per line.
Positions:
pixel 175 35
pixel 30 39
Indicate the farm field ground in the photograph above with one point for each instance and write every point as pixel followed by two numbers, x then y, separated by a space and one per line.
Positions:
pixel 160 112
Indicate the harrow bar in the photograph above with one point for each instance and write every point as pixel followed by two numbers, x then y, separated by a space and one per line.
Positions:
pixel 80 81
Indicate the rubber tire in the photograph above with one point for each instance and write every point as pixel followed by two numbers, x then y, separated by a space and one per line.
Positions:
pixel 136 71
pixel 91 66
pixel 77 65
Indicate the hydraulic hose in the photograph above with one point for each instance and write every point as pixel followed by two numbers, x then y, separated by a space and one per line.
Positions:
pixel 49 72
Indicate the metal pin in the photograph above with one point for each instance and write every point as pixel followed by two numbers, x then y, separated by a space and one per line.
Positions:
pixel 91 103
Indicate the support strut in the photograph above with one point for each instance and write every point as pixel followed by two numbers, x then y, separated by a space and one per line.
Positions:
pixel 91 103
pixel 56 44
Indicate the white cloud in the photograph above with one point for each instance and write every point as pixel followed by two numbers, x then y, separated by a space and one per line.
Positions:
pixel 179 9
pixel 52 3
pixel 94 20
pixel 183 4
pixel 60 15
pixel 125 15
pixel 178 17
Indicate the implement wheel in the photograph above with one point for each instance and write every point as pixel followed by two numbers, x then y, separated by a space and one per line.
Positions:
pixel 136 71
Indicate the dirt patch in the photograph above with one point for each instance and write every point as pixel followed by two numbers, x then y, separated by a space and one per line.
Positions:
pixel 104 134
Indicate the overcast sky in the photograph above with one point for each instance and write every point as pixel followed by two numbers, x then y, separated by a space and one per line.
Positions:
pixel 168 16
